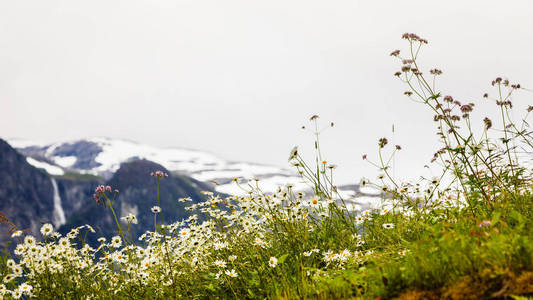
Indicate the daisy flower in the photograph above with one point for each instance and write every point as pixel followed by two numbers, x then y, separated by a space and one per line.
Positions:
pixel 231 273
pixel 25 288
pixel 388 225
pixel 156 209
pixel 130 218
pixel 47 229
pixel 29 240
pixel 116 241
pixel 220 263
pixel 314 201
pixel 272 262
pixel 17 233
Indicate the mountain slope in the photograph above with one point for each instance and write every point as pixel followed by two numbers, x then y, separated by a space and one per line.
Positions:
pixel 26 193
pixel 137 194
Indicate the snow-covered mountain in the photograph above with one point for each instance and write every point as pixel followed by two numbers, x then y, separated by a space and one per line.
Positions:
pixel 103 156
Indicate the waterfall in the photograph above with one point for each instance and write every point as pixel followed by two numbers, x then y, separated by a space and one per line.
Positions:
pixel 59 215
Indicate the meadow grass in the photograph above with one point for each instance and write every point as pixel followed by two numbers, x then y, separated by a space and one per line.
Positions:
pixel 462 235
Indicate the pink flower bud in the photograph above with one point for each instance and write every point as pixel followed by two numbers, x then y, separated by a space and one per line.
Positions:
pixel 485 223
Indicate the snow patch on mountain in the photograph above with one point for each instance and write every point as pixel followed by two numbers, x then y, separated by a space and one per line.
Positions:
pixel 50 169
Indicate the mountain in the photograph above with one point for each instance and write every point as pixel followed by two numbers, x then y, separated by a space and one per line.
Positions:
pixel 137 195
pixel 30 196
pixel 103 156
pixel 26 193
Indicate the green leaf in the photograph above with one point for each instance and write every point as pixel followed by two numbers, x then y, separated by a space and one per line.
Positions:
pixel 496 217
pixel 282 258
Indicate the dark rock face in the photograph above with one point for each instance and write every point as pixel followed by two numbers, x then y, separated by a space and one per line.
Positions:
pixel 137 196
pixel 76 194
pixel 26 193
pixel 85 151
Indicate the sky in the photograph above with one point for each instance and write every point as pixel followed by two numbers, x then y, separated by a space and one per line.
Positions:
pixel 238 78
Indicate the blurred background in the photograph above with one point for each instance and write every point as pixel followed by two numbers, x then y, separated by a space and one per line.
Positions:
pixel 238 79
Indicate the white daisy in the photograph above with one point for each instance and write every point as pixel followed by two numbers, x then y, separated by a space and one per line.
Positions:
pixel 272 262
pixel 231 273
pixel 47 229
pixel 116 241
pixel 388 225
pixel 220 263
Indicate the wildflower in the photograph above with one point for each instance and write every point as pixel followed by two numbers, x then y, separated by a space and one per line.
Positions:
pixel 64 242
pixel 388 225
pixel 231 273
pixel 345 254
pixel 314 117
pixel 314 201
pixel 383 142
pixel 101 240
pixel 158 174
pixel 116 241
pixel 220 263
pixel 259 242
pixel 156 209
pixel 16 294
pixel 91 229
pixel 17 233
pixel 466 108
pixel 273 262
pixel 8 278
pixel 185 232
pixel 130 218
pixel 485 223
pixel 25 288
pixel 232 258
pixel 29 240
pixel 488 123
pixel 10 263
pixel 395 53
pixel 220 245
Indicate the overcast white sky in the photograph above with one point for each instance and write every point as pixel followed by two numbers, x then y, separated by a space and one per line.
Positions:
pixel 239 78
